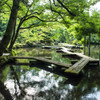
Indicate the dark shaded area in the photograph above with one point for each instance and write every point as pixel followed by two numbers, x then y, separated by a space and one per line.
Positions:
pixel 5 92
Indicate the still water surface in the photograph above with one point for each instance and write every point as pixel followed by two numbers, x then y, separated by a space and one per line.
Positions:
pixel 31 83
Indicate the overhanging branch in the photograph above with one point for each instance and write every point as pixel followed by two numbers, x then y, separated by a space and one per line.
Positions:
pixel 38 19
pixel 35 24
pixel 29 16
pixel 58 12
pixel 31 26
pixel 66 8
pixel 52 8
pixel 55 4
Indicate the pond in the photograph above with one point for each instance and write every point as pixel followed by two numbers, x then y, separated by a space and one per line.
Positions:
pixel 23 82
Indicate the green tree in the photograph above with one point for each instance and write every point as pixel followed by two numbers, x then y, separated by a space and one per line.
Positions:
pixel 28 14
pixel 6 38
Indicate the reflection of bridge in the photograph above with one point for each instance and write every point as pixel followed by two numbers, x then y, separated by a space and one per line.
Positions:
pixel 63 67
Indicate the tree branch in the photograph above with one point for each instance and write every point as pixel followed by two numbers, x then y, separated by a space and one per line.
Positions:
pixel 55 4
pixel 53 9
pixel 38 19
pixel 4 3
pixel 28 8
pixel 58 12
pixel 8 5
pixel 66 8
pixel 30 26
pixel 35 13
pixel 27 16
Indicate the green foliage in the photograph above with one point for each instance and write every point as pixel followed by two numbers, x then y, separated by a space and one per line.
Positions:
pixel 45 22
pixel 54 32
pixel 83 26
pixel 2 28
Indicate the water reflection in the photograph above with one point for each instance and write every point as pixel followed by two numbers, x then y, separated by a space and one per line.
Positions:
pixel 22 82
pixel 46 53
pixel 25 83
pixel 94 51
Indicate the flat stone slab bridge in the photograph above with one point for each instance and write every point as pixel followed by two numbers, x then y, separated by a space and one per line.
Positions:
pixel 67 68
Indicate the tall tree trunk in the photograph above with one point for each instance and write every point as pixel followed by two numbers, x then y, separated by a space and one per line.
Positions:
pixel 84 44
pixel 10 27
pixel 99 53
pixel 89 44
pixel 14 37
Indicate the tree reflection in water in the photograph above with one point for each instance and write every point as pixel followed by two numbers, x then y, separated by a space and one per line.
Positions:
pixel 3 90
pixel 25 83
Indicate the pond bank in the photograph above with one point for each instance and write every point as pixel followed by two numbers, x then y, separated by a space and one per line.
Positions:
pixel 3 60
pixel 48 46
